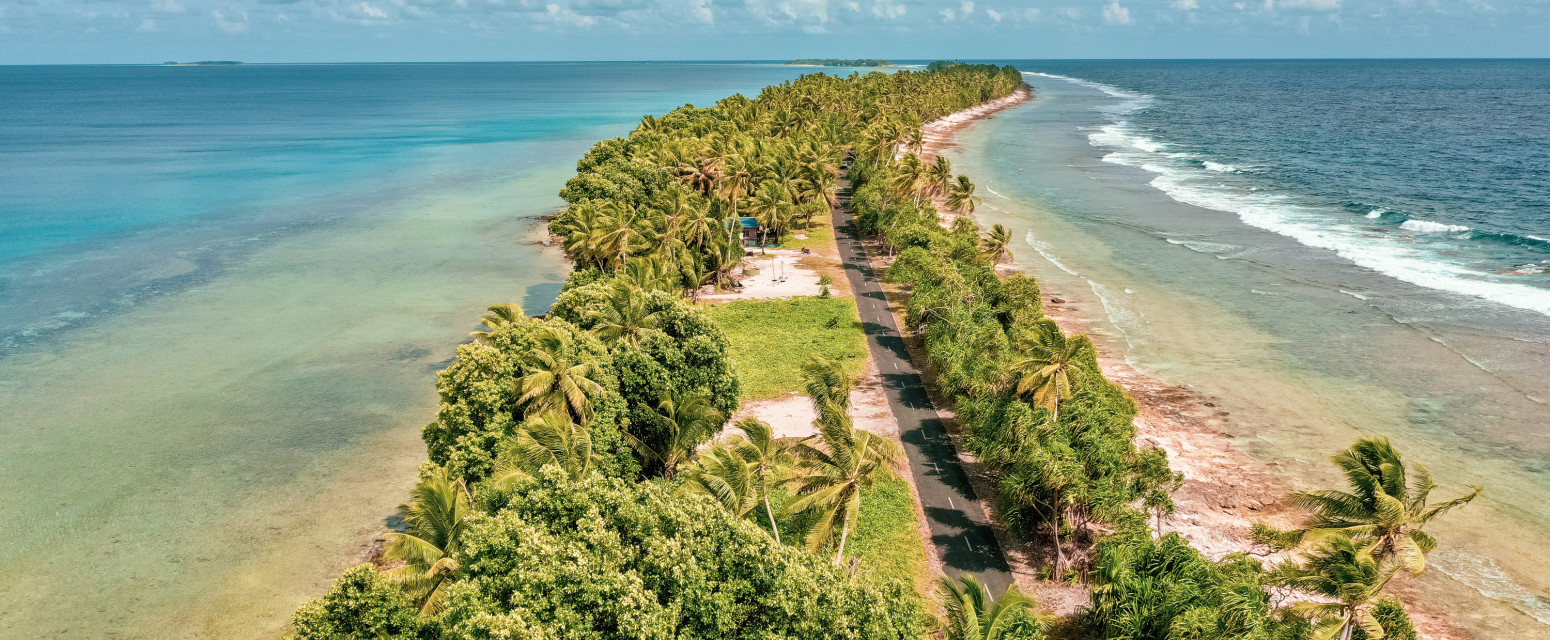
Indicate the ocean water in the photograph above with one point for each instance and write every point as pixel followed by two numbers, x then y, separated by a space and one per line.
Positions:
pixel 1328 249
pixel 224 294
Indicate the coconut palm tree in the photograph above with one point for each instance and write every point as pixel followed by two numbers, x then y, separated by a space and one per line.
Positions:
pixel 1385 508
pixel 769 460
pixel 722 474
pixel 910 177
pixel 549 439
pixel 651 273
pixel 827 383
pixel 971 615
pixel 961 196
pixel 995 244
pixel 1052 362
pixel 830 477
pixel 626 318
pixel 623 231
pixel 497 316
pixel 582 233
pixel 687 420
pixel 555 382
pixel 939 177
pixel 435 516
pixel 1348 580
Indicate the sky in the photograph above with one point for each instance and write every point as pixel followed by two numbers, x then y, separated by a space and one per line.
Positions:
pixel 153 31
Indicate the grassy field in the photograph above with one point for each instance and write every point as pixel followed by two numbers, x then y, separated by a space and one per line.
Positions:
pixel 886 540
pixel 772 338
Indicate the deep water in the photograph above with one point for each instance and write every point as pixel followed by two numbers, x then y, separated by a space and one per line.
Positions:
pixel 1327 249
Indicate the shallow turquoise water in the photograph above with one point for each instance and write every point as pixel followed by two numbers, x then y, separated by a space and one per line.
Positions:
pixel 225 294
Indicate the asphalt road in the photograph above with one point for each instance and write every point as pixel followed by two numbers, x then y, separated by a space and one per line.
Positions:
pixel 959 526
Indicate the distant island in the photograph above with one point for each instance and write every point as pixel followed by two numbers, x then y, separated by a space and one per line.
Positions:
pixel 201 63
pixel 835 62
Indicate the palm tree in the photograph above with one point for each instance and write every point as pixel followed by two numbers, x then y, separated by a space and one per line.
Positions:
pixel 1384 509
pixel 689 420
pixel 724 258
pixel 771 205
pixel 436 516
pixel 721 473
pixel 961 196
pixel 827 383
pixel 626 318
pixel 1052 363
pixel 623 230
pixel 830 478
pixel 972 616
pixel 554 382
pixel 650 273
pixel 582 234
pixel 1349 575
pixel 499 315
pixel 940 176
pixel 995 244
pixel 544 440
pixel 910 177
pixel 768 459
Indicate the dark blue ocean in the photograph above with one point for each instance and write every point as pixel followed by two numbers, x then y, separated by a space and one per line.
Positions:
pixel 1315 251
pixel 1433 172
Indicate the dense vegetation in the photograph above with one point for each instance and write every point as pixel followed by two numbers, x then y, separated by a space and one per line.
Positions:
pixel 581 485
pixel 1059 439
pixel 838 62
pixel 577 486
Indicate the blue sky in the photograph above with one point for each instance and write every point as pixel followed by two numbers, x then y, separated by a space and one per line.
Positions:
pixel 150 31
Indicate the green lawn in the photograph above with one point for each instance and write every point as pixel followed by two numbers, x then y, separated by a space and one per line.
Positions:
pixel 820 234
pixel 770 339
pixel 886 538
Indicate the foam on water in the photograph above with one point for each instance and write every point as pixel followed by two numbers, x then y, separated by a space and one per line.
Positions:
pixel 1191 182
pixel 1425 226
pixel 1486 576
pixel 1219 167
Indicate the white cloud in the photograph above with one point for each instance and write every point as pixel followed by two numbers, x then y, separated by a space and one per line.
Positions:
pixel 1311 5
pixel 1068 13
pixel 995 16
pixel 234 20
pixel 368 11
pixel 853 7
pixel 167 6
pixel 1185 5
pixel 1117 15
pixel 147 25
pixel 949 15
pixel 699 11
pixel 561 15
pixel 887 10
pixel 966 8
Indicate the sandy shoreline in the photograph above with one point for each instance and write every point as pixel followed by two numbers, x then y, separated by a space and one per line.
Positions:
pixel 1225 490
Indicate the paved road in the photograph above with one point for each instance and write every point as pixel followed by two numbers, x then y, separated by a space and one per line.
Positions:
pixel 958 524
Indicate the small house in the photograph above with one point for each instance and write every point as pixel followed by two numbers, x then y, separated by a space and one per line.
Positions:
pixel 750 231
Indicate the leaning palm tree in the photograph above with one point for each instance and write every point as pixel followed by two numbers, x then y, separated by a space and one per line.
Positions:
pixel 829 478
pixel 995 244
pixel 1385 508
pixel 688 420
pixel 971 615
pixel 1348 580
pixel 769 460
pixel 961 196
pixel 436 516
pixel 555 382
pixel 722 474
pixel 939 177
pixel 827 382
pixel 499 315
pixel 1052 363
pixel 550 439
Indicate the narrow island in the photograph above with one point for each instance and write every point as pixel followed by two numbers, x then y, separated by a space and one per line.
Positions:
pixel 836 62
pixel 202 63
pixel 743 416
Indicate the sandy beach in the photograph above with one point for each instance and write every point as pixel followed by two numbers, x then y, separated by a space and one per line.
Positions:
pixel 1225 491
